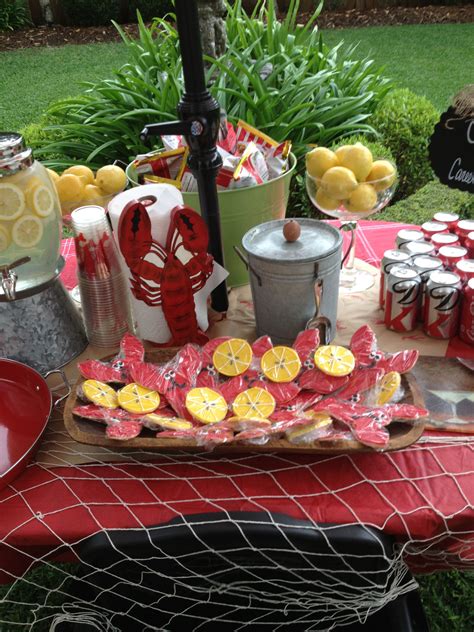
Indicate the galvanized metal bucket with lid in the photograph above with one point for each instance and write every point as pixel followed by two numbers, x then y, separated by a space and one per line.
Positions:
pixel 294 284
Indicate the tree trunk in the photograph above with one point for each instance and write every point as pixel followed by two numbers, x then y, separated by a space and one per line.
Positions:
pixel 212 26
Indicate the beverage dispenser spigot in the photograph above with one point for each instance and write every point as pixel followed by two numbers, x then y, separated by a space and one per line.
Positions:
pixel 9 277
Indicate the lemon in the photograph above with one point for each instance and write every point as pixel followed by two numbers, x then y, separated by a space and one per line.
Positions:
pixel 5 238
pixel 137 399
pixel 340 152
pixel 83 172
pixel 12 201
pixel 100 394
pixel 254 403
pixel 382 175
pixel 111 179
pixel 388 387
pixel 358 159
pixel 319 160
pixel 70 188
pixel 325 202
pixel 280 364
pixel 364 198
pixel 93 195
pixel 27 231
pixel 40 200
pixel 338 183
pixel 53 175
pixel 334 360
pixel 232 357
pixel 206 405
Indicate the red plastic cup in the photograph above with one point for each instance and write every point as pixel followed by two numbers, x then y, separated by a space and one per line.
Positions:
pixel 450 255
pixel 450 219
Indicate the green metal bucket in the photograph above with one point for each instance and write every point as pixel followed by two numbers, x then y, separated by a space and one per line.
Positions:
pixel 241 210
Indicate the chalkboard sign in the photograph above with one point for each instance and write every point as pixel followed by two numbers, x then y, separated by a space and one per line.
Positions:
pixel 451 149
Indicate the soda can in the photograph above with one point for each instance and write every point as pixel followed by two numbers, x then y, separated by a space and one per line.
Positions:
pixel 431 228
pixel 466 324
pixel 390 258
pixel 417 248
pixel 469 244
pixel 402 298
pixel 450 255
pixel 442 304
pixel 408 234
pixel 463 228
pixel 444 239
pixel 465 269
pixel 450 219
pixel 425 265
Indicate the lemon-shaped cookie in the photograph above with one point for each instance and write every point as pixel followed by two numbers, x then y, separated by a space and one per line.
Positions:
pixel 388 387
pixel 302 433
pixel 358 159
pixel 334 360
pixel 362 199
pixel 280 364
pixel 338 183
pixel 206 405
pixel 254 403
pixel 319 160
pixel 232 357
pixel 137 399
pixel 382 175
pixel 100 394
pixel 12 201
pixel 157 422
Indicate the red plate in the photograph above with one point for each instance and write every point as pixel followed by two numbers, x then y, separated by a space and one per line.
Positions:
pixel 25 406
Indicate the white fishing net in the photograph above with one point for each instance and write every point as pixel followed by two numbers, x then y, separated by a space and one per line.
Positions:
pixel 251 543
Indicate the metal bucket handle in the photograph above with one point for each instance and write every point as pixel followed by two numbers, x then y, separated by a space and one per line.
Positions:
pixel 246 262
pixel 65 383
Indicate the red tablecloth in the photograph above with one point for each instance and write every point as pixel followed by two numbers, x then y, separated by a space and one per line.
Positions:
pixel 423 495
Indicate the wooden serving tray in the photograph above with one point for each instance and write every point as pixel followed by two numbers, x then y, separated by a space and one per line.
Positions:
pixel 93 433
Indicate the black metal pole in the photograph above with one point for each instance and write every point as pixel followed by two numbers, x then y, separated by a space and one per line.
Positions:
pixel 198 106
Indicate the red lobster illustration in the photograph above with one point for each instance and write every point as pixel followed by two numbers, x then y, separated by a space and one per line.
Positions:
pixel 185 266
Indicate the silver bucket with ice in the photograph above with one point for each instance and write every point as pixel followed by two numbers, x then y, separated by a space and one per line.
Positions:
pixel 295 284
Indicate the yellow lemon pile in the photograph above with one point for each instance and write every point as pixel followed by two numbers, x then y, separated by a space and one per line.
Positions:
pixel 78 186
pixel 348 176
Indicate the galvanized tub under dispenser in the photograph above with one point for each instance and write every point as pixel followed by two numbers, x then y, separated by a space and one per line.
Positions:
pixel 294 284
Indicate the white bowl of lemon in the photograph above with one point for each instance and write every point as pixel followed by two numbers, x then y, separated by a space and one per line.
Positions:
pixel 79 186
pixel 348 183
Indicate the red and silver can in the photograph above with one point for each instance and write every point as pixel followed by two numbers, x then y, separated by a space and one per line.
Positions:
pixel 442 304
pixel 402 298
pixel 390 258
pixel 465 269
pixel 425 265
pixel 450 255
pixel 469 244
pixel 417 248
pixel 450 219
pixel 466 324
pixel 408 234
pixel 463 228
pixel 444 239
pixel 431 228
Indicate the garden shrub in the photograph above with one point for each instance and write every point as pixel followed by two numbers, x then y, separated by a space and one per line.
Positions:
pixel 90 12
pixel 405 122
pixel 149 9
pixel 14 14
pixel 278 76
pixel 433 197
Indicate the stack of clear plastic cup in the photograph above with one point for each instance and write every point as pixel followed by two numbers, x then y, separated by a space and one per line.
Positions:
pixel 102 284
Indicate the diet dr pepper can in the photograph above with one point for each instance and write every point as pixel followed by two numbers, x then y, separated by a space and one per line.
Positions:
pixel 442 304
pixel 425 265
pixel 450 255
pixel 450 219
pixel 390 258
pixel 402 298
pixel 465 269
pixel 416 248
pixel 466 326
pixel 431 228
pixel 408 234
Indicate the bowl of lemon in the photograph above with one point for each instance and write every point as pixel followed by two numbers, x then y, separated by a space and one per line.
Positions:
pixel 80 186
pixel 349 184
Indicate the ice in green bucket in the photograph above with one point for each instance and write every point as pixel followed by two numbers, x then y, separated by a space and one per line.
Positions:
pixel 241 210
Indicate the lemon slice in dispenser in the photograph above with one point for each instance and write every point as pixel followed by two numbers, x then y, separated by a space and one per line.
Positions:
pixel 334 360
pixel 27 231
pixel 232 357
pixel 280 364
pixel 254 403
pixel 389 386
pixel 100 394
pixel 40 200
pixel 206 405
pixel 137 399
pixel 12 201
pixel 5 238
